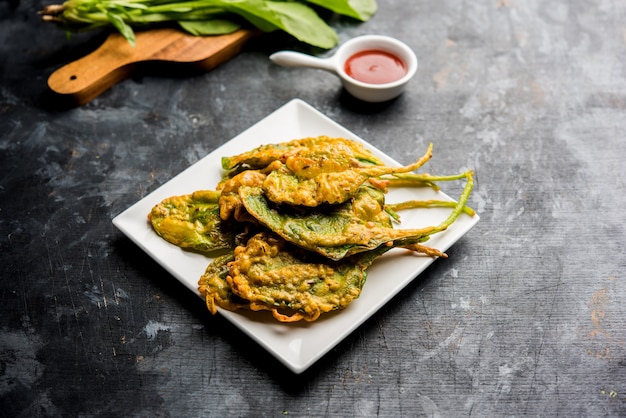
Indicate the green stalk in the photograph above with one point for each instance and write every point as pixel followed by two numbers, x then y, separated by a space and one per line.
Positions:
pixel 459 206
pixel 415 204
pixel 462 202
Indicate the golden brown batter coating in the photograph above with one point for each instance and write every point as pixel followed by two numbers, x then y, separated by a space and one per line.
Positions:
pixel 316 213
pixel 192 221
pixel 274 276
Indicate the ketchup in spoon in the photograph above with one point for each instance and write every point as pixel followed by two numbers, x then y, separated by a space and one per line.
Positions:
pixel 375 67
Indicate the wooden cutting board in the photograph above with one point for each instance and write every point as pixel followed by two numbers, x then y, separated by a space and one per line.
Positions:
pixel 115 60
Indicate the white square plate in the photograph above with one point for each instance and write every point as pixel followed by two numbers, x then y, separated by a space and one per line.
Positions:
pixel 296 345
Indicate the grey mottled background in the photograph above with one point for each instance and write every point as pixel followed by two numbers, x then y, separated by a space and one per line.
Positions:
pixel 526 317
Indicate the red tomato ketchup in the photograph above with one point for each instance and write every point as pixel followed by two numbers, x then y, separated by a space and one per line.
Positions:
pixel 375 67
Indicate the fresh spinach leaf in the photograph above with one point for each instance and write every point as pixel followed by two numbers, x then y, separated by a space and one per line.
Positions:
pixel 359 9
pixel 209 27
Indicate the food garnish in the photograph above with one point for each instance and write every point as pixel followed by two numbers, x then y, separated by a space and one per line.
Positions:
pixel 298 260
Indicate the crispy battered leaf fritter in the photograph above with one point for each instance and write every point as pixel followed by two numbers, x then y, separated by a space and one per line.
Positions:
pixel 274 276
pixel 335 231
pixel 328 155
pixel 268 273
pixel 295 284
pixel 330 231
pixel 313 180
pixel 264 155
pixel 193 222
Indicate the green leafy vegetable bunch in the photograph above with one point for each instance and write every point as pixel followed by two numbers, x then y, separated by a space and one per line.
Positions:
pixel 211 17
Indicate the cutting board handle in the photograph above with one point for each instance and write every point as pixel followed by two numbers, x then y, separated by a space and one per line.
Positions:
pixel 116 59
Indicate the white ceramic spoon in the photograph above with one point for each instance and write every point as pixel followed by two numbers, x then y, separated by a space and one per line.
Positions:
pixel 336 64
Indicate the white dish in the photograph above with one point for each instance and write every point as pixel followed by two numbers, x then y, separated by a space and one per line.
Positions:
pixel 296 345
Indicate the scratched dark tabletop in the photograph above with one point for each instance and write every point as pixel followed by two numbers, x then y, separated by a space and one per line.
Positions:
pixel 525 317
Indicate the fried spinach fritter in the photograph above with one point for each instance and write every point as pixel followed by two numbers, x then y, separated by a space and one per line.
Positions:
pixel 291 283
pixel 336 231
pixel 264 155
pixel 193 222
pixel 313 180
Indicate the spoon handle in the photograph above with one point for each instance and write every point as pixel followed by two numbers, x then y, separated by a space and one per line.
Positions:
pixel 297 59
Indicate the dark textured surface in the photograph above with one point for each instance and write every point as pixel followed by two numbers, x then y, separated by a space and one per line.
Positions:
pixel 526 317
